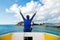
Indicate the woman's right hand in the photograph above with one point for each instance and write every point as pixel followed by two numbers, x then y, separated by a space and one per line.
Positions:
pixel 19 10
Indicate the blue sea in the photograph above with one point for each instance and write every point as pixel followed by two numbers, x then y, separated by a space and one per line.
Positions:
pixel 5 29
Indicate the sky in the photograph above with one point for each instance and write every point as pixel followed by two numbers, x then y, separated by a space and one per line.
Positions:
pixel 48 11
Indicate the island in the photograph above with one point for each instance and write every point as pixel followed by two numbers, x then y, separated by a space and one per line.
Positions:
pixel 22 23
pixel 57 26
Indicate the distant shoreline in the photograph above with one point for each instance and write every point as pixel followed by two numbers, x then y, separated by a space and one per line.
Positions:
pixel 44 24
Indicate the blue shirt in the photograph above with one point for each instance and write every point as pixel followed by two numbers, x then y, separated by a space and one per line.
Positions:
pixel 27 24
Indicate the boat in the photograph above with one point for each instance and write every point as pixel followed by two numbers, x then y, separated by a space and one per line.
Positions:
pixel 29 35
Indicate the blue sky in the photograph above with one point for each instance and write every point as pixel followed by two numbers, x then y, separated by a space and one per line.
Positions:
pixel 4 16
pixel 49 12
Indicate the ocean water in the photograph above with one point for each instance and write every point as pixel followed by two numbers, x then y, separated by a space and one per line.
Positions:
pixel 4 29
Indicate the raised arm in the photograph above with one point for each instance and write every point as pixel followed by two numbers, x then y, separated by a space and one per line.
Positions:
pixel 33 16
pixel 22 15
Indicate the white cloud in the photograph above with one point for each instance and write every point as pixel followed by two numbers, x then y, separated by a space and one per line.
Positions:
pixel 49 12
